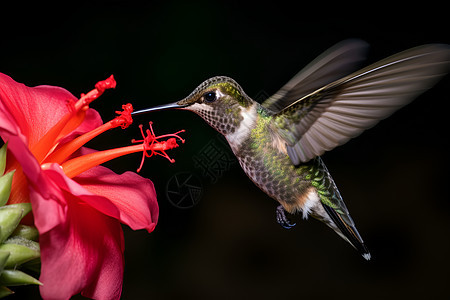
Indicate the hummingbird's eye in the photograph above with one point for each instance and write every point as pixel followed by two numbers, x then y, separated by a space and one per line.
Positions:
pixel 209 97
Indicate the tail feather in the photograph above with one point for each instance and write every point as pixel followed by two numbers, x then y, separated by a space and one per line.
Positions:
pixel 349 233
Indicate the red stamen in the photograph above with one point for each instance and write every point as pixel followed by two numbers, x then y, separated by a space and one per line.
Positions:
pixel 71 120
pixel 100 87
pixel 124 120
pixel 80 164
pixel 109 83
pixel 66 124
pixel 151 143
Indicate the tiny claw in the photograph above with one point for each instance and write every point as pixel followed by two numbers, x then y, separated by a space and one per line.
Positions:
pixel 282 218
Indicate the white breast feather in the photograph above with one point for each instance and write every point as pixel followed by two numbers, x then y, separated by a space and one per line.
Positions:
pixel 241 133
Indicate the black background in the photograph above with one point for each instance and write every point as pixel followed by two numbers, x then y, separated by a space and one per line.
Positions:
pixel 393 177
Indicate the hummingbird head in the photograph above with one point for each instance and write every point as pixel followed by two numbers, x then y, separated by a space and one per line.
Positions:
pixel 218 100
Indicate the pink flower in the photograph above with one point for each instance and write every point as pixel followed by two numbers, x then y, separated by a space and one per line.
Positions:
pixel 77 205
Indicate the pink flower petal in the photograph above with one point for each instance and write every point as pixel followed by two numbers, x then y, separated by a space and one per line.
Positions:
pixel 35 110
pixel 58 185
pixel 127 197
pixel 84 253
pixel 83 250
pixel 133 195
pixel 17 144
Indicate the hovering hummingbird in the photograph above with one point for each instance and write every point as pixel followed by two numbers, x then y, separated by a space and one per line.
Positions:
pixel 279 142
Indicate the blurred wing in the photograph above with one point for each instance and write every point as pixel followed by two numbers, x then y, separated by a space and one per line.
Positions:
pixel 335 63
pixel 341 110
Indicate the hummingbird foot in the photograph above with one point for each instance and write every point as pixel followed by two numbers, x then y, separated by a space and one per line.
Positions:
pixel 282 218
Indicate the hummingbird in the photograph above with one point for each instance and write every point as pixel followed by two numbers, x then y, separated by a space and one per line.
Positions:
pixel 279 142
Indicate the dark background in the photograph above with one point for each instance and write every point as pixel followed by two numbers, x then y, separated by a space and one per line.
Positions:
pixel 393 177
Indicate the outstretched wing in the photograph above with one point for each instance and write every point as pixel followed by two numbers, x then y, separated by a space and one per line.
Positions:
pixel 335 63
pixel 341 110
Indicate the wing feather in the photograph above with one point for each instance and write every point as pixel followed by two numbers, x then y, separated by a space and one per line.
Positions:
pixel 333 64
pixel 341 110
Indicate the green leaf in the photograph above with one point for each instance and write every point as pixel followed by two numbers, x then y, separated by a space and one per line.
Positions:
pixel 5 187
pixel 3 158
pixel 10 216
pixel 26 207
pixel 4 255
pixel 4 291
pixel 16 277
pixel 28 232
pixel 21 250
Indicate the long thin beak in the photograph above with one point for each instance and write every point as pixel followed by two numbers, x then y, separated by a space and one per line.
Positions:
pixel 159 107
